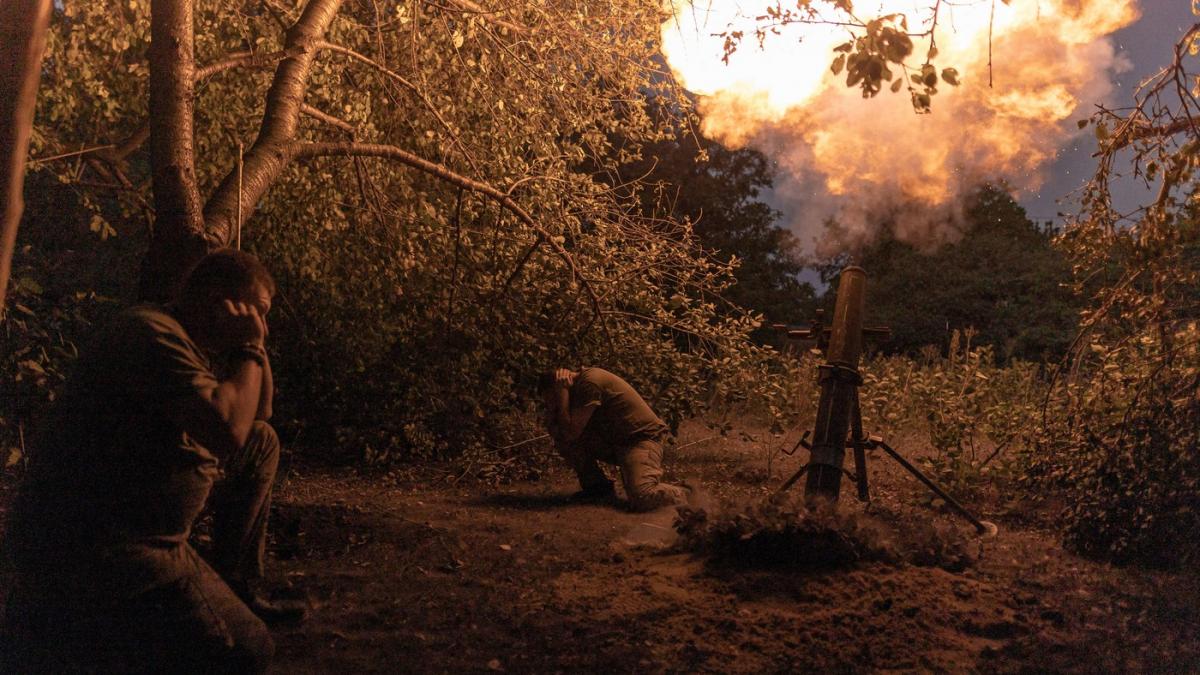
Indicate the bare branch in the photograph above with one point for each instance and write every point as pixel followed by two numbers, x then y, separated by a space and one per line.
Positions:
pixel 491 16
pixel 327 118
pixel 74 153
pixel 245 59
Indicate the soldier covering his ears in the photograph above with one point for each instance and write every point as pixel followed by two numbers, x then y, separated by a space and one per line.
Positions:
pixel 595 416
pixel 167 408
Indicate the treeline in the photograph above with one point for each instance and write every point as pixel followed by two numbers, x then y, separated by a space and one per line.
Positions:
pixel 1004 281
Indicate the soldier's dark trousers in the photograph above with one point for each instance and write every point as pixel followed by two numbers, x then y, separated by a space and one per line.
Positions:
pixel 640 460
pixel 182 617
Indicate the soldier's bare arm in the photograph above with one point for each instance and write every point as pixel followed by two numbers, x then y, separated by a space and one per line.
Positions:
pixel 569 422
pixel 221 417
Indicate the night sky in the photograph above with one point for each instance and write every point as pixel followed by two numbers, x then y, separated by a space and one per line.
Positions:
pixel 1148 45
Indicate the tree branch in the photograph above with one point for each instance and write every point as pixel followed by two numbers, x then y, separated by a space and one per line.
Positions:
pixel 1138 133
pixel 403 81
pixel 267 157
pixel 469 7
pixel 327 118
pixel 245 59
pixel 310 150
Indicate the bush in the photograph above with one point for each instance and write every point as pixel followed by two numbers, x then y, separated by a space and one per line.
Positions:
pixel 973 412
pixel 970 409
pixel 1124 439
pixel 62 286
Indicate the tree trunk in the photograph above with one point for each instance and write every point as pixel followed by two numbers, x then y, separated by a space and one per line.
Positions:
pixel 271 151
pixel 178 239
pixel 23 25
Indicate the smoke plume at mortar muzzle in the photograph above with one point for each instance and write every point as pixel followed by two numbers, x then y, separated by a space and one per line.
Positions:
pixel 872 163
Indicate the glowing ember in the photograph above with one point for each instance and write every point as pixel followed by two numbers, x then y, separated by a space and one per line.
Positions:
pixel 868 163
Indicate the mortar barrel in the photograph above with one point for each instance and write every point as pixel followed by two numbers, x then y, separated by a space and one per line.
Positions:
pixel 846 329
pixel 839 385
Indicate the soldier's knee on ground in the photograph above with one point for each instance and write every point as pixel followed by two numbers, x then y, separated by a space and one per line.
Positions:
pixel 243 642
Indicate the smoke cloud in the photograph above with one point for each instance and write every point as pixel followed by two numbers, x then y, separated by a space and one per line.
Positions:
pixel 874 163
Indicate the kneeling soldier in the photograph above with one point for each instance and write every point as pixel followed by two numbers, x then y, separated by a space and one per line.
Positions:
pixel 595 415
pixel 169 405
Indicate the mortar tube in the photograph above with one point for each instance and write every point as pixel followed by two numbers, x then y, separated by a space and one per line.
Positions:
pixel 839 384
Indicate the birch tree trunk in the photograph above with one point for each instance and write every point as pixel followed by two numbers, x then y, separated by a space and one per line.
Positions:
pixel 23 26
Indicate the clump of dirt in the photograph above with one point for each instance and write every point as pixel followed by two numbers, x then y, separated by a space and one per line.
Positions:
pixel 783 531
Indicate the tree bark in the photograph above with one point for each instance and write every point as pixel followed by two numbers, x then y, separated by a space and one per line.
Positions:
pixel 178 240
pixel 269 155
pixel 23 25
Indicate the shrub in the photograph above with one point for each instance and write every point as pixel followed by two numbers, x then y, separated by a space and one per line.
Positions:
pixel 1124 439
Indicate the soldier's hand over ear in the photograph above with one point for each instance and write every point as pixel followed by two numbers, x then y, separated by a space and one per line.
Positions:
pixel 562 378
pixel 241 323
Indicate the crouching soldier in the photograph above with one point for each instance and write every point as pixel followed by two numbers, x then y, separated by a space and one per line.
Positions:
pixel 593 415
pixel 168 405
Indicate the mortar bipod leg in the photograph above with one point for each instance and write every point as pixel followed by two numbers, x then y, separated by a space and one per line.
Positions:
pixel 860 454
pixel 983 527
pixel 792 481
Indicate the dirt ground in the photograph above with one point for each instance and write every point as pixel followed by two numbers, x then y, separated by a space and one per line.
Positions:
pixel 413 572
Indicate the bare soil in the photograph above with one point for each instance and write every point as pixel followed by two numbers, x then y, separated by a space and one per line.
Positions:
pixel 413 572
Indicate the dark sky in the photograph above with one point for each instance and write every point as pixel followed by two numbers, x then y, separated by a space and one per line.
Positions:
pixel 1148 45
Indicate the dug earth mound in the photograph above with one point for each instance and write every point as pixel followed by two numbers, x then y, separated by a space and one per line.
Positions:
pixel 782 532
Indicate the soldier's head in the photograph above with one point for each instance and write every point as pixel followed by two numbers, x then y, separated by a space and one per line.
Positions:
pixel 224 274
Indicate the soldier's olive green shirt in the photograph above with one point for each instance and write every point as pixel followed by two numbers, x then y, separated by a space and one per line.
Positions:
pixel 112 469
pixel 621 416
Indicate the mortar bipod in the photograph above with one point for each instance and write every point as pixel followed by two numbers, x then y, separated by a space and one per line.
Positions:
pixel 860 443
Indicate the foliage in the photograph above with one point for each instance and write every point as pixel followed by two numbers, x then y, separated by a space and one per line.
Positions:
pixel 970 409
pixel 1121 424
pixel 413 315
pixel 977 416
pixel 1124 439
pixel 877 45
pixel 59 292
pixel 1004 280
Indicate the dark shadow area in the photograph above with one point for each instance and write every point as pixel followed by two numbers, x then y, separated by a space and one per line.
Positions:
pixel 320 531
pixel 544 502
